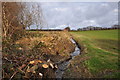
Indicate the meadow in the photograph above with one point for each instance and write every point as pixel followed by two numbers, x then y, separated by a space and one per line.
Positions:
pixel 99 55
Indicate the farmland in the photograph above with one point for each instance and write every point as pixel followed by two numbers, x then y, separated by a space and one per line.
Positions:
pixel 98 58
pixel 59 40
pixel 99 55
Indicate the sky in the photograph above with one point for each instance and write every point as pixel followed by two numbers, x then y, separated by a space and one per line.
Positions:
pixel 59 15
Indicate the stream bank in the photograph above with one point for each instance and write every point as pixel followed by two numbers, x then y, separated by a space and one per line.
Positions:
pixel 64 64
pixel 35 46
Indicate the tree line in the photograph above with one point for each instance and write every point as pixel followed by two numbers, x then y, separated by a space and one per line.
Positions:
pixel 98 28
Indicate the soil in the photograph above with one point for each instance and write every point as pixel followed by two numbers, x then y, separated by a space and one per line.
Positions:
pixel 36 46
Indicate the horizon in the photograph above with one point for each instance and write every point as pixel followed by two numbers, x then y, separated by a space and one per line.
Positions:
pixel 59 15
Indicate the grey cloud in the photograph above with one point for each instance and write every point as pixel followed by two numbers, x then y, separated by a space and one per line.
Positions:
pixel 80 14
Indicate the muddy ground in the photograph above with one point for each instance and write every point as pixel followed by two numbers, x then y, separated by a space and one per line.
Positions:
pixel 25 57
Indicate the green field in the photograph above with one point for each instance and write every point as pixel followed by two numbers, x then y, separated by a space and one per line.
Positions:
pixel 102 49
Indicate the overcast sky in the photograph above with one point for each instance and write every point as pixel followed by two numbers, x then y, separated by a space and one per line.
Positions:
pixel 58 15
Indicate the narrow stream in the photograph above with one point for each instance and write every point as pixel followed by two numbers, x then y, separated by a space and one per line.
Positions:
pixel 64 65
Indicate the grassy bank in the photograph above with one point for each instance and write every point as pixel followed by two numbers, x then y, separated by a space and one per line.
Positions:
pixel 100 54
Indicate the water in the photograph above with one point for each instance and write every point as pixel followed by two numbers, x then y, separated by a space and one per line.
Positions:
pixel 64 65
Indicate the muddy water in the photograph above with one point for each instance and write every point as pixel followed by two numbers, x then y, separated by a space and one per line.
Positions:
pixel 64 64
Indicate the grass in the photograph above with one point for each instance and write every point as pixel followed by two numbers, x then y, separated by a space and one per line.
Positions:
pixel 102 48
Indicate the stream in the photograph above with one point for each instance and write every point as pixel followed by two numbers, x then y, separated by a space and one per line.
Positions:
pixel 64 64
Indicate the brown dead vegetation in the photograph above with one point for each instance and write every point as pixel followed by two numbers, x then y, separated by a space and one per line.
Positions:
pixel 34 56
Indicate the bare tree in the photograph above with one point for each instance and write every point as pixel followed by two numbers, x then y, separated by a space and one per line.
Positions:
pixel 10 11
pixel 38 16
pixel 17 16
pixel 32 14
pixel 25 16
